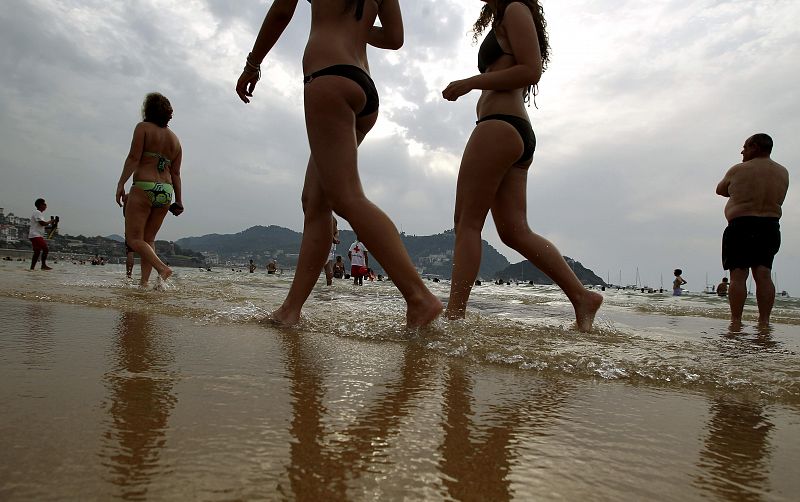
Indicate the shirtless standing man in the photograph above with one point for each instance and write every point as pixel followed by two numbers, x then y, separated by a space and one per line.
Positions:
pixel 756 189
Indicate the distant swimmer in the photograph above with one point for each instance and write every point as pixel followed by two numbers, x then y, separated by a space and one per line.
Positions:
pixel 341 106
pixel 37 232
pixel 722 287
pixel 272 267
pixel 677 283
pixel 756 189
pixel 338 268
pixel 154 161
pixel 252 266
pixel 494 167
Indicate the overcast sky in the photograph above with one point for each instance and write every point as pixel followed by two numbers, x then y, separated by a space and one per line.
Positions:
pixel 644 107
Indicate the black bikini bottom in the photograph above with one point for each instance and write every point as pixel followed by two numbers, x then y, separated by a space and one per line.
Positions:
pixel 358 76
pixel 524 129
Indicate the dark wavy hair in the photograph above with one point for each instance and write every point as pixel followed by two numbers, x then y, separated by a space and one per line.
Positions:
pixel 156 109
pixel 487 17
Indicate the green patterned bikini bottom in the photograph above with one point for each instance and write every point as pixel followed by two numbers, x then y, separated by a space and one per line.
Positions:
pixel 159 194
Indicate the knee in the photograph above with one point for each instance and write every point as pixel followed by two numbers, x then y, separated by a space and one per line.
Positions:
pixel 465 224
pixel 512 235
pixel 347 205
pixel 739 276
pixel 762 275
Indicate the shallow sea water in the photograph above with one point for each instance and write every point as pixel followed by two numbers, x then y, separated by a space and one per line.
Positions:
pixel 111 392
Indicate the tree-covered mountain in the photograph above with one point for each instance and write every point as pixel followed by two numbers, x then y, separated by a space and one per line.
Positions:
pixel 432 254
pixel 525 271
pixel 254 240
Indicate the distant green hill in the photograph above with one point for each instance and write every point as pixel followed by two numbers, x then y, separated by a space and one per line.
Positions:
pixel 273 240
pixel 525 271
pixel 431 254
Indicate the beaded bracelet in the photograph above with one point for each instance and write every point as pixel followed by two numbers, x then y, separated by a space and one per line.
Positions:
pixel 250 67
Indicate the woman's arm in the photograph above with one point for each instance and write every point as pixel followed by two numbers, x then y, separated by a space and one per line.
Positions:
pixel 390 34
pixel 175 172
pixel 276 20
pixel 521 34
pixel 131 161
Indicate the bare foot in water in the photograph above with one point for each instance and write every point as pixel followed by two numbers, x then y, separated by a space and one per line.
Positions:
pixel 45 267
pixel 585 309
pixel 284 317
pixel 454 314
pixel 422 311
pixel 165 274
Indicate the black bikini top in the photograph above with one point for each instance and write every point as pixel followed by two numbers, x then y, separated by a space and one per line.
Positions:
pixel 359 9
pixel 490 52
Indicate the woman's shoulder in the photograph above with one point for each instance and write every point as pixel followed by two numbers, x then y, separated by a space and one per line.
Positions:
pixel 517 6
pixel 514 10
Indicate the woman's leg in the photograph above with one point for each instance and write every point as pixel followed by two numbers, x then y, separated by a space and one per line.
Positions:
pixel 510 216
pixel 141 225
pixel 314 248
pixel 334 134
pixel 151 228
pixel 491 150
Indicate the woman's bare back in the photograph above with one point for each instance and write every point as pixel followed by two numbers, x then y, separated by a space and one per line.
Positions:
pixel 336 36
pixel 156 140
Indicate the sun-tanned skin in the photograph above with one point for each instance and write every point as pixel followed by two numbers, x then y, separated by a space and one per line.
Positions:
pixel 142 221
pixel 489 178
pixel 755 187
pixel 334 131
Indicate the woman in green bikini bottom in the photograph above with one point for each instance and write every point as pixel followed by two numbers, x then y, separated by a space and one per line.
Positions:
pixel 154 161
pixel 159 194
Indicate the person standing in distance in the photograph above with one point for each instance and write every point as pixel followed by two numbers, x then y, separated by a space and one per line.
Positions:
pixel 36 234
pixel 678 282
pixel 359 261
pixel 756 189
pixel 332 254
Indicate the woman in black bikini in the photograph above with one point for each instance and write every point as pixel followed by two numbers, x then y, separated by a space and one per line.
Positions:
pixel 341 106
pixel 494 167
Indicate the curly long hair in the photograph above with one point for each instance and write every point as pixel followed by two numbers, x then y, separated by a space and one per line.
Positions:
pixel 156 109
pixel 487 17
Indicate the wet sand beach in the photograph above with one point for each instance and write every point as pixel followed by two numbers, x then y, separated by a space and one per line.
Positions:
pixel 110 392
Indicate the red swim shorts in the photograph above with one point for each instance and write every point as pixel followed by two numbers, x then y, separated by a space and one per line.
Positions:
pixel 358 271
pixel 39 244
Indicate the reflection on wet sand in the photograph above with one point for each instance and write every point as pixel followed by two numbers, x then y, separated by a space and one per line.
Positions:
pixel 477 452
pixel 39 339
pixel 735 460
pixel 761 338
pixel 477 458
pixel 323 462
pixel 140 399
